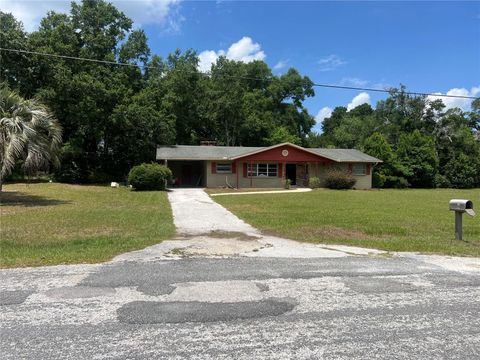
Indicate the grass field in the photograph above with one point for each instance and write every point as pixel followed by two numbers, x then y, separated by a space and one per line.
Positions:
pixel 243 190
pixel 396 220
pixel 46 224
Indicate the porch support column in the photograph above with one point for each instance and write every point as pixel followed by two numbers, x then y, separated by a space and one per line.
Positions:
pixel 251 171
pixel 237 169
pixel 251 177
pixel 166 165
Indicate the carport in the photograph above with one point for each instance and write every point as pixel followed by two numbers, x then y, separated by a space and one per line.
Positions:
pixel 187 173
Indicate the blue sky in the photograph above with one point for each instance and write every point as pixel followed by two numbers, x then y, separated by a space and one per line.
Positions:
pixel 428 46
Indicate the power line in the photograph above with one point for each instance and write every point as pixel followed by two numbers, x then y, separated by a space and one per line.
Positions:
pixel 71 57
pixel 232 76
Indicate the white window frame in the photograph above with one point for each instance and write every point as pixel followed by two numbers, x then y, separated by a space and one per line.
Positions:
pixel 225 170
pixel 357 171
pixel 262 170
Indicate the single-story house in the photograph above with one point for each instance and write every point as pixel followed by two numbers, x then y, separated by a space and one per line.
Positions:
pixel 261 167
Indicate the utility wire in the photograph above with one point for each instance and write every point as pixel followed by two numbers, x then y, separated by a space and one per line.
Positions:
pixel 232 76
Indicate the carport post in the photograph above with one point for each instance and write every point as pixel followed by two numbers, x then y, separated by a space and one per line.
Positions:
pixel 251 176
pixel 166 164
pixel 458 225
pixel 237 170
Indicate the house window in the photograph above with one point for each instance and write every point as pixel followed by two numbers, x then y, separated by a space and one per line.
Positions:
pixel 359 169
pixel 224 168
pixel 262 170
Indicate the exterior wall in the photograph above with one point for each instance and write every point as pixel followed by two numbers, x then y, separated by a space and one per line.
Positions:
pixel 220 180
pixel 283 153
pixel 318 169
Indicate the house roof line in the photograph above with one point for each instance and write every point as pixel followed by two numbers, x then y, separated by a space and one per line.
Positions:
pixel 232 153
pixel 276 146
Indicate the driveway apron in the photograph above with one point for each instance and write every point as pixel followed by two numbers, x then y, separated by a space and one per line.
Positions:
pixel 195 213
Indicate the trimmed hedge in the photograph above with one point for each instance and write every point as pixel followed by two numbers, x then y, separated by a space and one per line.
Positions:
pixel 149 177
pixel 339 179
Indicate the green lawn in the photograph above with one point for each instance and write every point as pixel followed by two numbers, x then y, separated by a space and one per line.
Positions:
pixel 397 220
pixel 242 190
pixel 47 224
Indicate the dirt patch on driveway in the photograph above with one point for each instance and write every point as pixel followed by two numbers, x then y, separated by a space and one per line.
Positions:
pixel 231 235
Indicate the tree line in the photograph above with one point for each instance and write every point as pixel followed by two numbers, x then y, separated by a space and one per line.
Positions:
pixel 421 143
pixel 113 117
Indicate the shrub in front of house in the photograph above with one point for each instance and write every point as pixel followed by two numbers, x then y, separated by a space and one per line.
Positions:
pixel 149 177
pixel 314 182
pixel 339 179
pixel 396 182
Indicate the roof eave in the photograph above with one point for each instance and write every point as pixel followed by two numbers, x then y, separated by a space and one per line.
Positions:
pixel 279 145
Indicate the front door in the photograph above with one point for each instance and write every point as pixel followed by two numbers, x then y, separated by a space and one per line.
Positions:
pixel 291 173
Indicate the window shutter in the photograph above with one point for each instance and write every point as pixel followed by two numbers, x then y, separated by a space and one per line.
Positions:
pixel 214 167
pixel 244 170
pixel 368 169
pixel 280 170
pixel 234 167
pixel 350 168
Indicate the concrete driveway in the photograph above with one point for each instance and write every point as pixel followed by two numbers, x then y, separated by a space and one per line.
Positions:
pixel 183 299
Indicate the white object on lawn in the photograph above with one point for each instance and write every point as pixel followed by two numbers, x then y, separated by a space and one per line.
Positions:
pixel 114 184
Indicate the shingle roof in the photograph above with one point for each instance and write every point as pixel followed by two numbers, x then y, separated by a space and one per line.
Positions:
pixel 190 152
pixel 345 155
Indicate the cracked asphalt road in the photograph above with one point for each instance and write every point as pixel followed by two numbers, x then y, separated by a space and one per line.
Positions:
pixel 233 298
pixel 357 307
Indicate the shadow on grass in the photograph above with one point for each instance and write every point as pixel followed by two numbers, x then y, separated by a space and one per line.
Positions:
pixel 17 198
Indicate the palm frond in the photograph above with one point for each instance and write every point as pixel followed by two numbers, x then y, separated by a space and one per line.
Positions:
pixel 28 131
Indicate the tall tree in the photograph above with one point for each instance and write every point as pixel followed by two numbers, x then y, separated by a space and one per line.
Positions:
pixel 28 132
pixel 418 158
pixel 14 67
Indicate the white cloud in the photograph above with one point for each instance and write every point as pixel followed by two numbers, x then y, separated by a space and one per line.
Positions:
pixel 362 98
pixel 244 50
pixel 280 65
pixel 31 12
pixel 163 12
pixel 330 62
pixel 206 59
pixel 353 81
pixel 357 82
pixel 324 112
pixel 461 103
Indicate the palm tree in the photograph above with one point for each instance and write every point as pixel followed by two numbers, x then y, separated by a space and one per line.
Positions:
pixel 29 132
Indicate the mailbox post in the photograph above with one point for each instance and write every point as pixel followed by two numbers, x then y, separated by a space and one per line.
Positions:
pixel 460 206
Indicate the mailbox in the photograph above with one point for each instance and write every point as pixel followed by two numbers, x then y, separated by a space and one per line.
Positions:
pixel 462 205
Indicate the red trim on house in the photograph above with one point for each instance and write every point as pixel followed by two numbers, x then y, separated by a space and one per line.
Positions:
pixel 350 168
pixel 238 186
pixel 245 171
pixel 368 169
pixel 285 153
pixel 214 167
pixel 251 176
pixel 234 167
pixel 280 169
